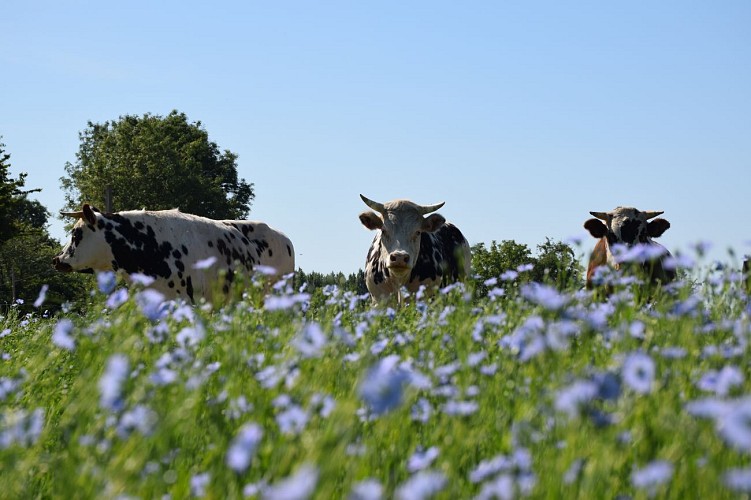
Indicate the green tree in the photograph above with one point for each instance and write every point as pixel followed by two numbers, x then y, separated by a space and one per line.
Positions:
pixel 26 249
pixel 556 263
pixel 500 257
pixel 156 162
pixel 10 196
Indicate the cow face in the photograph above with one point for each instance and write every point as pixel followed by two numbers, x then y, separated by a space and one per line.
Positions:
pixel 401 224
pixel 626 226
pixel 87 250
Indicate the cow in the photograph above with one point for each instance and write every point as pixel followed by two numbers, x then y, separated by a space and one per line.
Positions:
pixel 628 226
pixel 411 250
pixel 167 244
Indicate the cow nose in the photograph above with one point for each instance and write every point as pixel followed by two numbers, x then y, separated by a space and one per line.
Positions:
pixel 399 258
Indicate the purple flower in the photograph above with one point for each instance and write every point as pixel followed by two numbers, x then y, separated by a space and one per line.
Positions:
pixel 61 337
pixel 243 447
pixel 300 486
pixel 421 486
pixel 292 420
pixel 638 372
pixel 42 296
pixel 509 275
pixel 205 263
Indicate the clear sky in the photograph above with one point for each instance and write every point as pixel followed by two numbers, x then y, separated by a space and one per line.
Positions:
pixel 522 115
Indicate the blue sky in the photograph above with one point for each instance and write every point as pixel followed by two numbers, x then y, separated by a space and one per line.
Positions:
pixel 521 116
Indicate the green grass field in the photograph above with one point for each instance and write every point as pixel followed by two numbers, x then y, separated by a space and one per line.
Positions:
pixel 526 393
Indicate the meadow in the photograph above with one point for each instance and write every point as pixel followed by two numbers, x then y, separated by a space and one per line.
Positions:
pixel 527 392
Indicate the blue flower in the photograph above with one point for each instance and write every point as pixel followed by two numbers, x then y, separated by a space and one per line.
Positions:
pixel 383 385
pixel 638 372
pixel 369 489
pixel 61 337
pixel 652 475
pixel 110 385
pixel 243 448
pixel 42 296
pixel 299 486
pixel 106 281
pixel 422 459
pixel 421 486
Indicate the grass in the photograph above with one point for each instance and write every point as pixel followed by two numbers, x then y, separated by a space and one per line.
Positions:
pixel 520 397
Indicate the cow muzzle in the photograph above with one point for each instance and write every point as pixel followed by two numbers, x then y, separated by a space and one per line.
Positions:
pixel 61 266
pixel 399 262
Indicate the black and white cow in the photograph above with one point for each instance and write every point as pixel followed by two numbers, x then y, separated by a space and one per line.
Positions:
pixel 411 250
pixel 628 226
pixel 166 245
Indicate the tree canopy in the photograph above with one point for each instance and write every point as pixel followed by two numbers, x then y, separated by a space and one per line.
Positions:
pixel 156 163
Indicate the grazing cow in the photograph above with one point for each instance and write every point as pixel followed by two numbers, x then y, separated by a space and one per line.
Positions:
pixel 166 245
pixel 412 250
pixel 627 226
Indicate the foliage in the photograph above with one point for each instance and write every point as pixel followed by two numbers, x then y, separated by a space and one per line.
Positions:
pixel 555 263
pixel 541 394
pixel 26 251
pixel 353 282
pixel 13 206
pixel 156 162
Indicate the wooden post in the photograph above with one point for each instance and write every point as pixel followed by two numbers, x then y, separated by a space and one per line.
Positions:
pixel 108 199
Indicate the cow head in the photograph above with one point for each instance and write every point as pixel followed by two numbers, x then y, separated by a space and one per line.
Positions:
pixel 401 224
pixel 626 226
pixel 87 249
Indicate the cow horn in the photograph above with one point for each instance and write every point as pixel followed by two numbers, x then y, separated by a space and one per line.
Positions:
pixel 378 207
pixel 77 215
pixel 651 214
pixel 426 209
pixel 600 215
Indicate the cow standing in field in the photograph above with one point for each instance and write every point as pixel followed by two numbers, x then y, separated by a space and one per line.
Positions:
pixel 628 226
pixel 411 250
pixel 166 245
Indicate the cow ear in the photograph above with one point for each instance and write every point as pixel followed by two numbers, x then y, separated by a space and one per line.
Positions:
pixel 596 228
pixel 88 214
pixel 656 227
pixel 371 220
pixel 432 222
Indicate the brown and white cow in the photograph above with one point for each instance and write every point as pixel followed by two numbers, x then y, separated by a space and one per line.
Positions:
pixel 629 227
pixel 411 250
pixel 167 245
